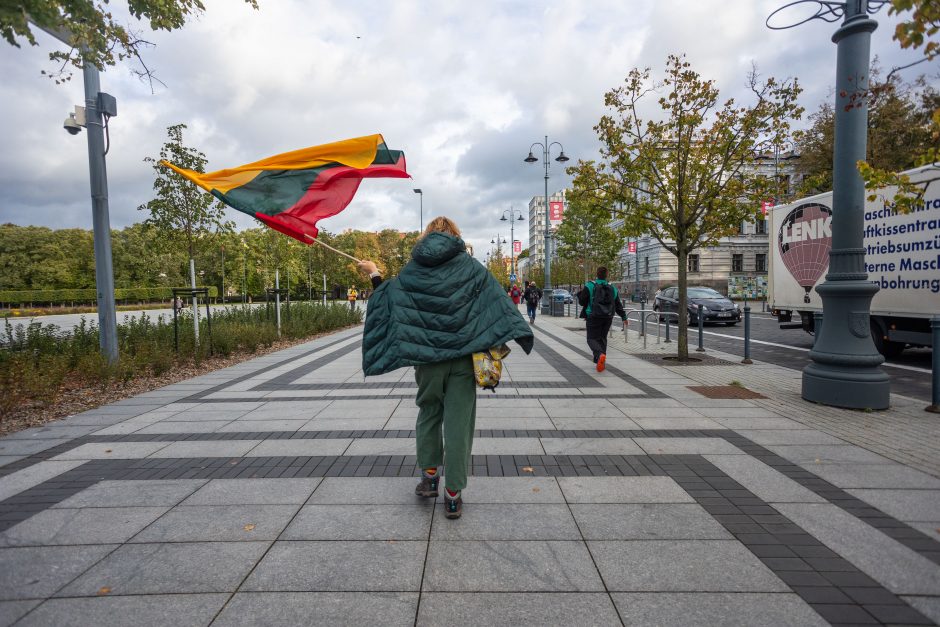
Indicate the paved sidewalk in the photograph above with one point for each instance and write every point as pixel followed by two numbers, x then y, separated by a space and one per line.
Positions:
pixel 280 491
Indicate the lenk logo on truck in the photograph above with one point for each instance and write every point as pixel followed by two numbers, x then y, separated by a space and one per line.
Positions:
pixel 804 242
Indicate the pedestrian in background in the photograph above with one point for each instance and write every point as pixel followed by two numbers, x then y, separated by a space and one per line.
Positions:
pixel 443 307
pixel 599 301
pixel 532 296
pixel 515 294
pixel 351 296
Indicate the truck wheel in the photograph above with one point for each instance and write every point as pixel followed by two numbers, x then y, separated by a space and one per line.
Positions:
pixel 886 347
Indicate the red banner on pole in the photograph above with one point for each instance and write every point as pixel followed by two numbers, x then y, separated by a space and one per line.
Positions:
pixel 766 206
pixel 517 246
pixel 631 248
pixel 556 211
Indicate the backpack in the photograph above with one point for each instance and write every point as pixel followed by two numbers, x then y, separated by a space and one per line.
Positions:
pixel 488 366
pixel 603 304
pixel 532 296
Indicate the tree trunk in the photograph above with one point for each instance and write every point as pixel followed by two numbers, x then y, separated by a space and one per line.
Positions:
pixel 683 339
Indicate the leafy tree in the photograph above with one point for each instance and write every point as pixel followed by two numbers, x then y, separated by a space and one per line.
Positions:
pixel 687 178
pixel 96 35
pixel 898 131
pixel 585 236
pixel 181 212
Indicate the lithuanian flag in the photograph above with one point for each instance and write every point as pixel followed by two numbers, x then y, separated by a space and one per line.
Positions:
pixel 292 191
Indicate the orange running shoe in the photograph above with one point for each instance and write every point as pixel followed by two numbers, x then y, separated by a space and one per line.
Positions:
pixel 601 362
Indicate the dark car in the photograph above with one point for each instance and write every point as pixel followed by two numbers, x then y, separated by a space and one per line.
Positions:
pixel 716 307
pixel 563 296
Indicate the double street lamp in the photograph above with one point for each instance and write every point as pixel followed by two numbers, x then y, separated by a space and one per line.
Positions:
pixel 513 216
pixel 561 158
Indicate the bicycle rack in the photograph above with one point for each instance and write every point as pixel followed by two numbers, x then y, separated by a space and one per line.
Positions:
pixel 659 322
pixel 626 323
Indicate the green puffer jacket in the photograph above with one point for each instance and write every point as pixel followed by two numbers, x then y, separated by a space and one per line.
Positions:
pixel 443 305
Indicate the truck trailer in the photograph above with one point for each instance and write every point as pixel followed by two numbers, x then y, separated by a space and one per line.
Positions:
pixel 902 255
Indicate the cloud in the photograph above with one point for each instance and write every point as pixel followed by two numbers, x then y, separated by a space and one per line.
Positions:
pixel 464 92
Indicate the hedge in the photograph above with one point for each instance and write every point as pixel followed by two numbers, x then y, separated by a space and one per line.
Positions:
pixel 52 297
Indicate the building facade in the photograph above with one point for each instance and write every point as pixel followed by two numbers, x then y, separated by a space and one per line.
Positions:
pixel 537 219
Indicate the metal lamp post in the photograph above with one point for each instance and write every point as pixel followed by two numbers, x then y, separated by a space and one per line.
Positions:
pixel 420 208
pixel 513 216
pixel 561 158
pixel 845 370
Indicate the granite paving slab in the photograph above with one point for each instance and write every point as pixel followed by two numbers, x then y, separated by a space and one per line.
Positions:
pixel 687 446
pixel 27 447
pixel 360 522
pixel 919 505
pixel 682 566
pixel 660 521
pixel 586 609
pixel 678 609
pixel 133 494
pixel 170 568
pixel 622 490
pixel 763 480
pixel 219 523
pixel 26 478
pixel 339 566
pixel 12 611
pixel 274 609
pixel 875 476
pixel 219 448
pixel 254 492
pixel 810 455
pixel 300 448
pixel 590 446
pixel 510 566
pixel 37 572
pixel 928 606
pixel 507 522
pixel 180 610
pixel 100 525
pixel 512 490
pixel 111 450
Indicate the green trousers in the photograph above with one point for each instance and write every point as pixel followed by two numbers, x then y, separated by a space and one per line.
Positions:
pixel 447 406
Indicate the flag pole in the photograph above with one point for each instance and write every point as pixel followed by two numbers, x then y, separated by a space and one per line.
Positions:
pixel 316 241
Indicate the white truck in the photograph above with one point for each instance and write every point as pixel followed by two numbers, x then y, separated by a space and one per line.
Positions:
pixel 902 255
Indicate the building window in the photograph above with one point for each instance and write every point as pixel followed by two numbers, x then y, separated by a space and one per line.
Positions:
pixel 742 230
pixel 647 268
pixel 760 262
pixel 628 268
pixel 737 263
pixel 761 227
pixel 693 263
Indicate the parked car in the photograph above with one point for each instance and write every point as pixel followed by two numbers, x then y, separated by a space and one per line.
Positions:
pixel 716 307
pixel 563 296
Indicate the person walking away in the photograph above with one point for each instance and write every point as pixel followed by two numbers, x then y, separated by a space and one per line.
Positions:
pixel 599 301
pixel 532 296
pixel 443 307
pixel 351 296
pixel 515 294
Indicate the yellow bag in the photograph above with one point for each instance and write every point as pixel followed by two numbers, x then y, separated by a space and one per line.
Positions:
pixel 488 366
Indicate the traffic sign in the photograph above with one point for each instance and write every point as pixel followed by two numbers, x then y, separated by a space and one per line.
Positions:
pixel 512 278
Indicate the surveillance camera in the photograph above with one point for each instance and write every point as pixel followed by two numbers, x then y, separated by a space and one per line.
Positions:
pixel 71 125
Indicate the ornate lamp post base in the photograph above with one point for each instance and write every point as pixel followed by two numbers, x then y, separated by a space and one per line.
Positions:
pixel 845 371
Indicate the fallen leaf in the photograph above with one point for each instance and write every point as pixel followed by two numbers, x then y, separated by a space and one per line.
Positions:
pixel 528 469
pixel 391 542
pixel 107 450
pixel 249 527
pixel 536 489
pixel 103 591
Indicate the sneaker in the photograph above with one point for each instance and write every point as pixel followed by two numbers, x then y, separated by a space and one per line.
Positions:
pixel 602 362
pixel 427 487
pixel 453 507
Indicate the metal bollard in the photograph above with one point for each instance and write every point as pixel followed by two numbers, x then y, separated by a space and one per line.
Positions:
pixel 667 330
pixel 934 406
pixel 747 336
pixel 642 318
pixel 817 326
pixel 701 330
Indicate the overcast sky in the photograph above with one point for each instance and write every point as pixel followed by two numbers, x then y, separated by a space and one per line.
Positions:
pixel 462 88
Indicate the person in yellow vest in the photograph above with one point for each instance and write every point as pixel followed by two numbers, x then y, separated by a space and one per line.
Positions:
pixel 351 296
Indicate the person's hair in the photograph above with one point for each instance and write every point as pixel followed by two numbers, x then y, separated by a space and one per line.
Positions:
pixel 442 224
pixel 602 273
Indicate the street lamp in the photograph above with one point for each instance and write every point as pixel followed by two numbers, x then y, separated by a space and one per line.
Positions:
pixel 513 217
pixel 845 370
pixel 421 205
pixel 561 158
